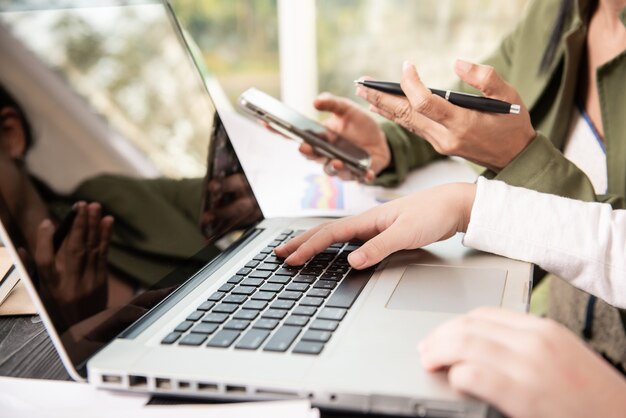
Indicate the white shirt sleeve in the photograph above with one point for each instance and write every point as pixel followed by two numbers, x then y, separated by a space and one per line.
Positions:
pixel 581 242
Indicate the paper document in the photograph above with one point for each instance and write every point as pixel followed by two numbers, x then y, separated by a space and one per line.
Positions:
pixel 288 185
pixel 27 398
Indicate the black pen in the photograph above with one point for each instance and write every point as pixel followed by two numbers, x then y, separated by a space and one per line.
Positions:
pixel 469 101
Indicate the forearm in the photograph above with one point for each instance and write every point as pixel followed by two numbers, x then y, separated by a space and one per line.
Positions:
pixel 584 243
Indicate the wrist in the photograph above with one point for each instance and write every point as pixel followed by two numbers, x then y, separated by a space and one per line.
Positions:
pixel 466 194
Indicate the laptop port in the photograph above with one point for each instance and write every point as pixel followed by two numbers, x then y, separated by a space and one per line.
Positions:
pixel 111 379
pixel 277 393
pixel 237 390
pixel 184 385
pixel 137 381
pixel 163 383
pixel 207 387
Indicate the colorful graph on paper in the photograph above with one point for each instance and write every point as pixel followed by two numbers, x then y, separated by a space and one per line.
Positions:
pixel 323 192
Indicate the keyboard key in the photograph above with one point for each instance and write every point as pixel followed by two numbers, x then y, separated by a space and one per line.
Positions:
pixel 282 339
pixel 267 267
pixel 287 232
pixel 206 306
pixel 252 339
pixel 226 287
pixel 223 339
pixel 183 326
pixel 319 336
pixel 272 259
pixel 217 318
pixel 259 257
pixel 352 247
pixel 265 323
pixel 319 293
pixel 290 295
pixel 308 347
pixel 334 314
pixel 271 287
pixel 267 296
pixel 279 279
pixel 325 284
pixel 282 304
pixel 324 325
pixel 244 290
pixel 297 287
pixel 244 271
pixel 246 314
pixel 194 316
pixel 274 243
pixel 332 276
pixel 256 305
pixel 310 301
pixel 274 314
pixel 286 271
pixel 193 339
pixel 235 279
pixel 259 274
pixel 237 324
pixel 301 278
pixel 267 250
pixel 253 282
pixel 304 310
pixel 205 328
pixel 282 237
pixel 225 308
pixel 171 338
pixel 216 296
pixel 297 320
pixel 238 299
pixel 349 289
pixel 252 264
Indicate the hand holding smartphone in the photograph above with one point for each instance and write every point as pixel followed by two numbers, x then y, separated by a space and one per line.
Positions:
pixel 296 126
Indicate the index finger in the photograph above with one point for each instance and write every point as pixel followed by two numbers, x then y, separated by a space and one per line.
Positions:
pixel 343 230
pixel 423 100
pixel 327 102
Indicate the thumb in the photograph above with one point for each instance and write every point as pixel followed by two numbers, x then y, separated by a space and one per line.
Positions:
pixel 486 79
pixel 377 248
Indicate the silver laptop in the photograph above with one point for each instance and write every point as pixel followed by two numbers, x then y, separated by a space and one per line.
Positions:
pixel 240 325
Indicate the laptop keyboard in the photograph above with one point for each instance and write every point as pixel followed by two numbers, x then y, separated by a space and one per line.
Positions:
pixel 271 306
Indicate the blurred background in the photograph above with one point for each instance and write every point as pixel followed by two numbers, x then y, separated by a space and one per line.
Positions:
pixel 146 108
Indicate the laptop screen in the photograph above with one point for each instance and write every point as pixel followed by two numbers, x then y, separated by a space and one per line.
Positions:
pixel 105 190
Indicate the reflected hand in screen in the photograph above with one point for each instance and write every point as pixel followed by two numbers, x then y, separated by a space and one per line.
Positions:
pixel 76 275
pixel 232 206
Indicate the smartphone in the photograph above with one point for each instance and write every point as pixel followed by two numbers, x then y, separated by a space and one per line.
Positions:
pixel 296 126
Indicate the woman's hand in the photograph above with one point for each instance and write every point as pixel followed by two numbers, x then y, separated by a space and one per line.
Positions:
pixel 353 123
pixel 489 139
pixel 524 365
pixel 76 275
pixel 411 222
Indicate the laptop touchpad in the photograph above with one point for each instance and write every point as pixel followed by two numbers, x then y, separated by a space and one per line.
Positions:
pixel 447 289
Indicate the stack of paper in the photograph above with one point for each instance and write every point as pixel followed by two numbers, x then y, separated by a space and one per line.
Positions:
pixel 26 398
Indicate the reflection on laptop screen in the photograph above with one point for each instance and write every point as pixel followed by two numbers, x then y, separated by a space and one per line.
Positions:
pixel 136 144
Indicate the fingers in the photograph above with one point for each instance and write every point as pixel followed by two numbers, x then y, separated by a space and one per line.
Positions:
pixel 378 247
pixel 463 339
pixel 327 102
pixel 422 100
pixel 362 227
pixel 483 381
pixel 235 183
pixel 486 79
pixel 44 249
